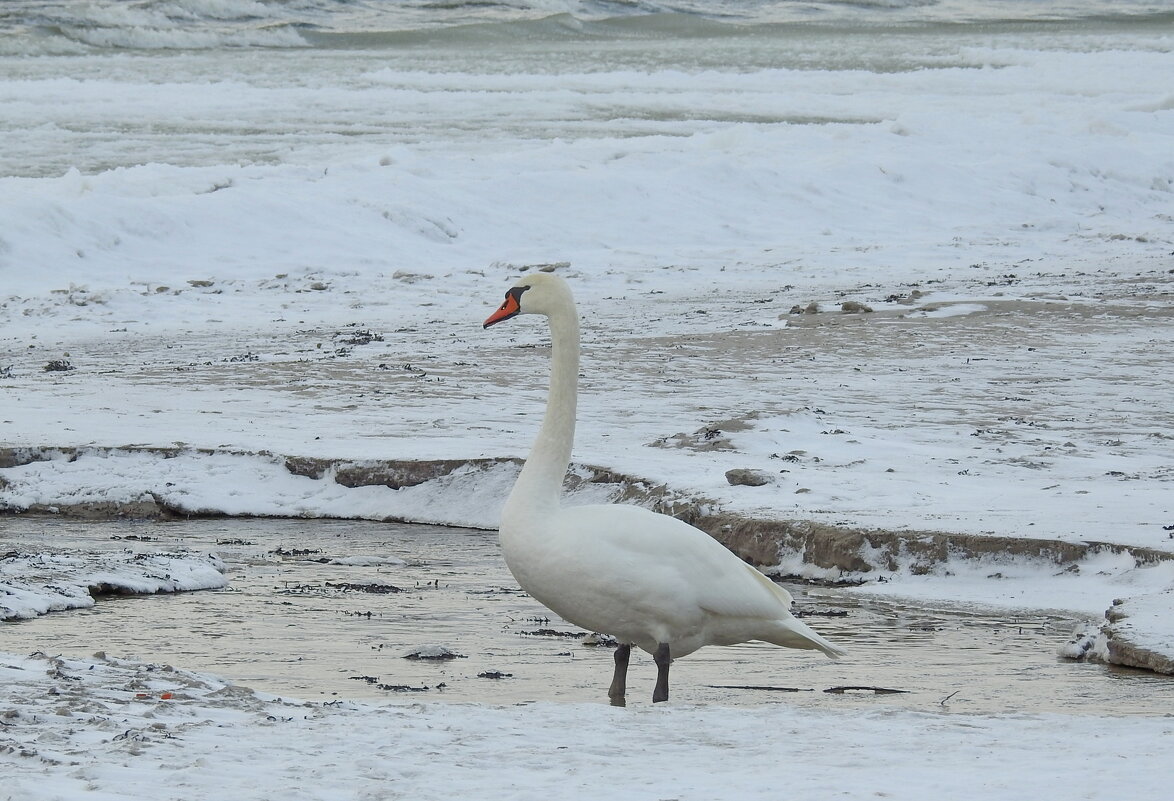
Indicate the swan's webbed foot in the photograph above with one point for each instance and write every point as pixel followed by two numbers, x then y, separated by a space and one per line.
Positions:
pixel 663 660
pixel 619 680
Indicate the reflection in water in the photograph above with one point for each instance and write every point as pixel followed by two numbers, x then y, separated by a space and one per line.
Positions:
pixel 293 624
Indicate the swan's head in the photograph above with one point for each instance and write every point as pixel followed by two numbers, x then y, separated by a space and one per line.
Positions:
pixel 540 293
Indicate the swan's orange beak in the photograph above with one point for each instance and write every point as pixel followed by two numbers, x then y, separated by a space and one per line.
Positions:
pixel 508 309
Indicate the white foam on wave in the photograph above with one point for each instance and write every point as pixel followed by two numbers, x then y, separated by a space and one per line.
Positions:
pixel 178 38
pixel 160 25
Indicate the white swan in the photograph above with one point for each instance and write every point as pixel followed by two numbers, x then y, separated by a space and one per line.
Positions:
pixel 645 578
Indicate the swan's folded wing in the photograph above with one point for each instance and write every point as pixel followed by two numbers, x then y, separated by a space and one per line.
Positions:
pixel 719 582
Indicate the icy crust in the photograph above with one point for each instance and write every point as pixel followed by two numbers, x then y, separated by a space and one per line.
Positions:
pixel 36 584
pixel 163 482
pixel 1135 632
pixel 108 728
pixel 1138 632
pixel 187 482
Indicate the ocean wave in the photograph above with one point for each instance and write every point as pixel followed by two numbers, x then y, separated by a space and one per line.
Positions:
pixel 145 38
pixel 680 26
pixel 554 28
pixel 28 27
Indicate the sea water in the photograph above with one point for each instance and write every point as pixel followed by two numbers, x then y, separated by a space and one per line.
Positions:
pixel 628 135
pixel 606 134
pixel 100 85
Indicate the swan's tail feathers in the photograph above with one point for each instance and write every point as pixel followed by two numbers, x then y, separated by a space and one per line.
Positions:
pixel 794 633
pixel 790 632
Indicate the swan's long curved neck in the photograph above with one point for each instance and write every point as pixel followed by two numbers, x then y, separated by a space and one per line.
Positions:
pixel 539 486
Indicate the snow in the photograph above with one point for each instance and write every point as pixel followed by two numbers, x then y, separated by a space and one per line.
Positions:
pixel 201 238
pixel 948 310
pixel 1144 622
pixel 1146 616
pixel 368 561
pixel 249 484
pixel 35 584
pixel 1087 586
pixel 432 651
pixel 107 728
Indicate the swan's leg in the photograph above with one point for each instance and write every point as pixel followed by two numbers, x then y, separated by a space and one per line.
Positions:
pixel 619 680
pixel 663 660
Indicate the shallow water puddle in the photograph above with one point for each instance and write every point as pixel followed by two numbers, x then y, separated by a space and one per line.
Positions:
pixel 295 625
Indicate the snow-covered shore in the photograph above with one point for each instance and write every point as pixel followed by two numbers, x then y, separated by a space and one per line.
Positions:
pixel 106 728
pixel 905 421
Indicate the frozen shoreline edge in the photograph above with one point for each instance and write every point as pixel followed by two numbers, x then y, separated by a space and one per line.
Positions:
pixel 37 583
pixel 807 549
pixel 794 549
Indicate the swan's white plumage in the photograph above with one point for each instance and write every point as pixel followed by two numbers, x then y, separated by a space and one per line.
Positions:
pixel 645 578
